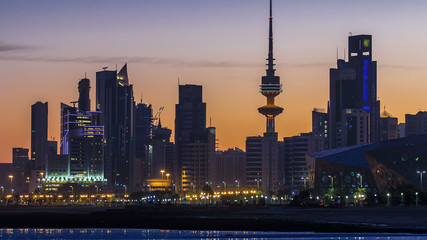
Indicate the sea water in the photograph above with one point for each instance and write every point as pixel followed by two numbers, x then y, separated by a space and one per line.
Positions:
pixel 97 233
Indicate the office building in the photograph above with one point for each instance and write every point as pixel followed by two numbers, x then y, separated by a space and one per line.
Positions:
pixel 21 169
pixel 194 143
pixel 416 124
pixel 389 127
pixel 230 169
pixel 353 86
pixel 295 166
pixel 320 124
pixel 39 144
pixel 143 150
pixel 114 99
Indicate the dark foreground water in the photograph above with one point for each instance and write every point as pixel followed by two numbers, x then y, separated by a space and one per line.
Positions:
pixel 31 233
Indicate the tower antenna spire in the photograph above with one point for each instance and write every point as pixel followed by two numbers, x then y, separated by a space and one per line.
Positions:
pixel 270 84
pixel 270 70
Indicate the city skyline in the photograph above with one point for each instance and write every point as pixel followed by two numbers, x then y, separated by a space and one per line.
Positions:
pixel 184 49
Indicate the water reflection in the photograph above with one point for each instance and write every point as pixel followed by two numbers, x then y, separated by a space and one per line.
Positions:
pixel 92 233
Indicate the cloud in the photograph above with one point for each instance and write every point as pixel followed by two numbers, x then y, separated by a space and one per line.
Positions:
pixel 5 47
pixel 143 60
pixel 390 66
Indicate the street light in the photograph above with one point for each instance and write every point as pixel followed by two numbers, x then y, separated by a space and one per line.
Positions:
pixel 225 185
pixel 167 176
pixel 421 177
pixel 361 179
pixel 126 188
pixel 11 181
pixel 238 184
pixel 72 190
pixel 96 189
pixel 162 171
pixel 332 177
pixel 305 181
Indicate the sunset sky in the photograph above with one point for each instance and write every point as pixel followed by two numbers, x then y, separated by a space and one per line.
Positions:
pixel 47 46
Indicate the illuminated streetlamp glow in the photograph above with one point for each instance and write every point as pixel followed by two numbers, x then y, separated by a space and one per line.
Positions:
pixel 162 171
pixel 421 177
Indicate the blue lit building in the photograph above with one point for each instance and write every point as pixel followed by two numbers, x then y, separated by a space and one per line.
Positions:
pixel 353 89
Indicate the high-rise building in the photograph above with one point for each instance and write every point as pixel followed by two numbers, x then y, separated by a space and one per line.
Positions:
pixel 253 161
pixel 82 141
pixel 143 149
pixel 114 98
pixel 160 141
pixel 416 124
pixel 295 169
pixel 84 100
pixel 21 169
pixel 353 85
pixel 270 87
pixel 39 144
pixel 194 143
pixel 320 124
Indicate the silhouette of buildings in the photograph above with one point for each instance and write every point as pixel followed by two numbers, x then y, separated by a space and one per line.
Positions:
pixel 114 98
pixel 39 143
pixel 416 124
pixel 354 110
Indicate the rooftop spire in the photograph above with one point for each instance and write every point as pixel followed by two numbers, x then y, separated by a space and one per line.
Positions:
pixel 270 69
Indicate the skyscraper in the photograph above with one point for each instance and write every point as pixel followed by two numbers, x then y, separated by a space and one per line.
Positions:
pixel 21 169
pixel 143 149
pixel 195 144
pixel 114 98
pixel 84 89
pixel 353 89
pixel 39 144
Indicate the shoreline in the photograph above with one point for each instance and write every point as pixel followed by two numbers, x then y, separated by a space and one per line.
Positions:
pixel 277 219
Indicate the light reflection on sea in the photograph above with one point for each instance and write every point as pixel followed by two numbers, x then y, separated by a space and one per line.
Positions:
pixel 97 233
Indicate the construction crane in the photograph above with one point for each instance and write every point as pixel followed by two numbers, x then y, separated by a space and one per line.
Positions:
pixel 156 117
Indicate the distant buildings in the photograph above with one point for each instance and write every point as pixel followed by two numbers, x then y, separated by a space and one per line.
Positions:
pixel 389 127
pixel 230 169
pixel 416 124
